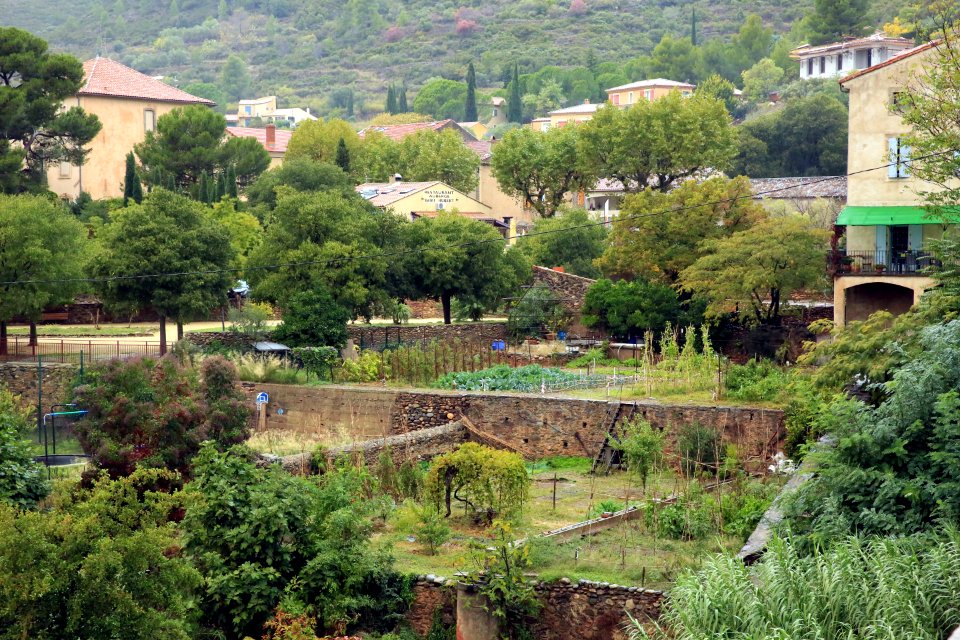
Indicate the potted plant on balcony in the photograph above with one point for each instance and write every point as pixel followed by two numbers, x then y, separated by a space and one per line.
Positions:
pixel 846 264
pixel 880 268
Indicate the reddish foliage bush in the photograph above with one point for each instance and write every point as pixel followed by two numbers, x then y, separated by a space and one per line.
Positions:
pixel 578 7
pixel 393 34
pixel 154 413
pixel 466 27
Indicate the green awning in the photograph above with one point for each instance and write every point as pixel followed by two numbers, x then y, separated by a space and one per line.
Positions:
pixel 873 216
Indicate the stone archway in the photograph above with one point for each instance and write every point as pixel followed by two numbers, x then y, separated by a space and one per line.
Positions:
pixel 856 297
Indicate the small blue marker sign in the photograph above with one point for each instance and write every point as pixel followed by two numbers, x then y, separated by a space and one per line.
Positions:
pixel 263 398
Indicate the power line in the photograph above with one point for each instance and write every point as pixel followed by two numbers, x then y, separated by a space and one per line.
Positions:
pixel 389 254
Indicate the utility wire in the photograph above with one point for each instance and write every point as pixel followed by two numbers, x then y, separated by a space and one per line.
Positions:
pixel 387 254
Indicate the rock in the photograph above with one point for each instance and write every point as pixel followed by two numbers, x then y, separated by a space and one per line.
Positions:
pixel 629 604
pixel 564 580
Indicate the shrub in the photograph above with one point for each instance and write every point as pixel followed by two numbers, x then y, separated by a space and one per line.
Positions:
pixel 432 528
pixel 642 448
pixel 756 381
pixel 155 413
pixel 700 449
pixel 313 319
pixel 367 367
pixel 537 311
pixel 689 518
pixel 251 319
pixel 627 309
pixel 410 480
pixel 485 480
pixel 259 368
pixel 318 361
pixel 21 479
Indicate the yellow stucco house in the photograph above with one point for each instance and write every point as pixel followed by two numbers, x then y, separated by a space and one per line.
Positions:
pixel 128 104
pixel 627 95
pixel 572 115
pixel 887 230
pixel 414 200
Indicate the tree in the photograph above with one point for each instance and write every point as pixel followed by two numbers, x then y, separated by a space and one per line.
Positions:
pixel 549 97
pixel 658 144
pixel 343 156
pixel 313 319
pixel 167 234
pixel 693 27
pixel 42 249
pixel 242 160
pixel 319 140
pixel 761 79
pixel 132 189
pixel 441 98
pixel 402 100
pixel 642 448
pixel 148 413
pixel 22 482
pixel 455 257
pixel 209 91
pixel 758 268
pixel 657 235
pixel 487 480
pixel 808 137
pixel 433 155
pixel 391 103
pixel 571 239
pixel 629 309
pixel 831 20
pixel 470 100
pixel 35 132
pixel 235 78
pixel 540 168
pixel 514 102
pixel 185 144
pixel 299 174
pixel 407 117
pixel 675 58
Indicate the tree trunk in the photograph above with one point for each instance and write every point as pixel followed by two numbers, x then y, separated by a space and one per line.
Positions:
pixel 179 329
pixel 163 334
pixel 33 335
pixel 445 300
pixel 3 338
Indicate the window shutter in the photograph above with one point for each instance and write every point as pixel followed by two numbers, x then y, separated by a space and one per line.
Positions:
pixel 904 166
pixel 893 159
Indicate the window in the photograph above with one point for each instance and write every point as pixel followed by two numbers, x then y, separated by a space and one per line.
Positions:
pixel 494 112
pixel 869 57
pixel 149 120
pixel 65 168
pixel 898 100
pixel 823 64
pixel 840 62
pixel 630 98
pixel 899 166
pixel 810 67
pixel 616 99
pixel 648 94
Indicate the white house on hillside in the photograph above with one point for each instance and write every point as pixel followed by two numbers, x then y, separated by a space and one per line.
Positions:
pixel 840 58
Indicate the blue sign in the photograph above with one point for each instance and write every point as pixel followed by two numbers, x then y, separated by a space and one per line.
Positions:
pixel 561 335
pixel 263 398
pixel 499 345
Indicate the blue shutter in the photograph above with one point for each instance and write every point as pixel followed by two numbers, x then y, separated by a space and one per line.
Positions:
pixel 904 166
pixel 915 237
pixel 892 157
pixel 881 256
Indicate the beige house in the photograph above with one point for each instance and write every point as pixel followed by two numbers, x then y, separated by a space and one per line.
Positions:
pixel 887 230
pixel 128 104
pixel 414 200
pixel 499 113
pixel 627 95
pixel 572 115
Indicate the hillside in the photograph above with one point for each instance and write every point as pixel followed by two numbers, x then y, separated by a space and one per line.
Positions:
pixel 304 50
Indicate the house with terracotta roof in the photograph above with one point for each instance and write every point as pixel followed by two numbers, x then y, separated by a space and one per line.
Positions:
pixel 274 140
pixel 852 54
pixel 128 104
pixel 571 115
pixel 627 95
pixel 414 200
pixel 398 132
pixel 887 232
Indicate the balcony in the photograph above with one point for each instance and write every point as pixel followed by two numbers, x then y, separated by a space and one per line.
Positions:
pixel 881 262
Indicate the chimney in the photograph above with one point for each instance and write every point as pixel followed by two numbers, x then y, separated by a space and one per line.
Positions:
pixel 395 178
pixel 586 101
pixel 271 136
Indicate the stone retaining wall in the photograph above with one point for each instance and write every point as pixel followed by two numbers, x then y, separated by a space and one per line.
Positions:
pixel 21 379
pixel 375 337
pixel 226 338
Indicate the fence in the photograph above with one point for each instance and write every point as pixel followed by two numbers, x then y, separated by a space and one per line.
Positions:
pixel 71 351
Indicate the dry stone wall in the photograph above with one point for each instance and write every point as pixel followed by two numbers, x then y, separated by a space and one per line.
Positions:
pixel 21 379
pixel 370 337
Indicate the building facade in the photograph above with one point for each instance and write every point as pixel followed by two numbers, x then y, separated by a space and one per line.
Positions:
pixel 128 104
pixel 887 231
pixel 628 95
pixel 841 58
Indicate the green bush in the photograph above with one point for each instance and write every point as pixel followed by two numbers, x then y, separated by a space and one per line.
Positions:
pixel 366 368
pixel 504 378
pixel 313 319
pixel 22 482
pixel 318 361
pixel 755 381
pixel 701 449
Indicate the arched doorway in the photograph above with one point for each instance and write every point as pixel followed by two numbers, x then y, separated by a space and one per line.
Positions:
pixel 865 299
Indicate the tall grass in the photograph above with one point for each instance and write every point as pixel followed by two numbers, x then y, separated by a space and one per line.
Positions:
pixel 251 368
pixel 872 589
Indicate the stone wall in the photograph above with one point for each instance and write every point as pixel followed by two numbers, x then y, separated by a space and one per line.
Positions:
pixel 369 337
pixel 226 338
pixel 21 379
pixel 573 289
pixel 572 610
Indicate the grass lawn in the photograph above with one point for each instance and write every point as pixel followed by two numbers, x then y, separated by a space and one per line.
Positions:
pixel 85 330
pixel 627 554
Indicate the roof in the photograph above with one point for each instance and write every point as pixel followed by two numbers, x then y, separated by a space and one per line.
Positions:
pixel 259 100
pixel 895 59
pixel 296 112
pixel 106 77
pixel 805 187
pixel 872 216
pixel 400 131
pixel 482 217
pixel 497 101
pixel 607 185
pixel 588 107
pixel 878 38
pixel 281 139
pixel 384 194
pixel 656 82
pixel 483 148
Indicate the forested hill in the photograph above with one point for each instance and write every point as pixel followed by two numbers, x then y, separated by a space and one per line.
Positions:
pixel 305 50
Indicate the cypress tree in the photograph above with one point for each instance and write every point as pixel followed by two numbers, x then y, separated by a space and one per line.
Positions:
pixel 343 156
pixel 231 189
pixel 137 191
pixel 216 188
pixel 129 179
pixel 470 108
pixel 402 100
pixel 693 27
pixel 391 106
pixel 203 188
pixel 514 103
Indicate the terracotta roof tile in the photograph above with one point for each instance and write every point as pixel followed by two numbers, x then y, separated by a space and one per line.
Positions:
pixel 106 77
pixel 281 140
pixel 801 187
pixel 400 131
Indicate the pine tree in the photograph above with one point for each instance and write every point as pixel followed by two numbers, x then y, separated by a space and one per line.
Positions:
pixel 470 107
pixel 231 187
pixel 834 19
pixel 693 27
pixel 402 100
pixel 514 103
pixel 343 156
pixel 391 106
pixel 129 180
